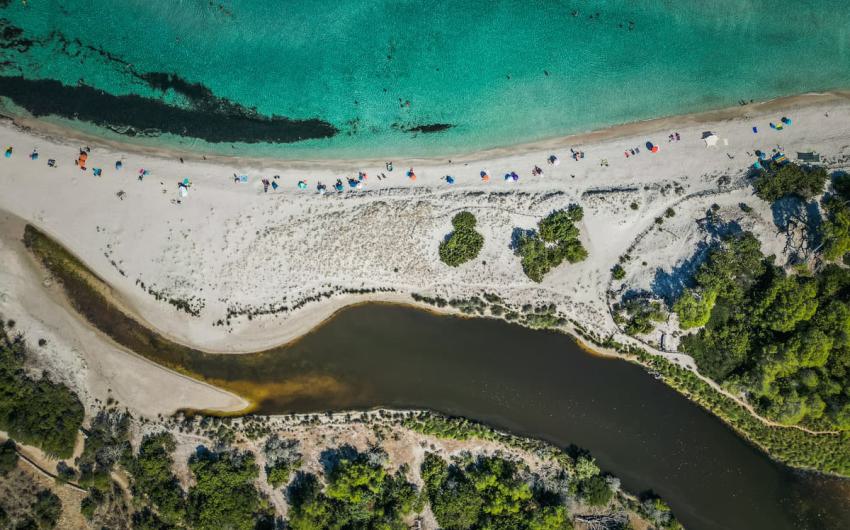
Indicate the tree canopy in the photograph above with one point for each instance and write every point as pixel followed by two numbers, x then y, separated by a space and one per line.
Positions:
pixel 555 240
pixel 36 412
pixel 360 493
pixel 777 181
pixel 782 339
pixel 224 494
pixel 488 493
pixel 464 243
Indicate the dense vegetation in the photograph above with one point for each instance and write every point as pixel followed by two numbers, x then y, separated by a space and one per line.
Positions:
pixel 639 315
pixel 555 240
pixel 360 493
pixel 464 243
pixel 154 481
pixel 827 452
pixel 36 412
pixel 224 494
pixel 783 339
pixel 835 230
pixel 24 503
pixel 106 442
pixel 282 458
pixel 777 181
pixel 8 456
pixel 489 493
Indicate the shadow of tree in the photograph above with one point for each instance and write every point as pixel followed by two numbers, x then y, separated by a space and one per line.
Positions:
pixel 330 458
pixel 790 214
pixel 518 233
pixel 668 286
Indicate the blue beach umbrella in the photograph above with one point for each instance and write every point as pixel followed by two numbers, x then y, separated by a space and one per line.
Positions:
pixel 450 179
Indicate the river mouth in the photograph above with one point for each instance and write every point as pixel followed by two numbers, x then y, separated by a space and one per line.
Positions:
pixel 533 383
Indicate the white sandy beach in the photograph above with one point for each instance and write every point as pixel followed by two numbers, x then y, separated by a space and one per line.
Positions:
pixel 230 246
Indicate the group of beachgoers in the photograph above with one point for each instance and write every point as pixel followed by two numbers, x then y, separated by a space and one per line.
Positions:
pixel 359 182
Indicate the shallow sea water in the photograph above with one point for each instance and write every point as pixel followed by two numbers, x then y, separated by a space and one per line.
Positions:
pixel 498 72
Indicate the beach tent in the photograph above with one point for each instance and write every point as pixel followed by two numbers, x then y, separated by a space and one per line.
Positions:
pixel 710 139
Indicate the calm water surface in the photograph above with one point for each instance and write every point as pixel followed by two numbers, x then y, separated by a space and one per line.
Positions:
pixel 542 385
pixel 497 71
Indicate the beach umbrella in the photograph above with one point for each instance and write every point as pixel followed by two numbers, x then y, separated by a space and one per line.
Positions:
pixel 187 182
pixel 450 179
pixel 649 145
pixel 554 160
pixel 302 185
pixel 514 176
pixel 9 153
pixel 410 174
pixel 118 164
pixel 485 176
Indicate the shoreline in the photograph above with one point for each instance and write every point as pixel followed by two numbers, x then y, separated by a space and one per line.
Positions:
pixel 70 135
pixel 259 270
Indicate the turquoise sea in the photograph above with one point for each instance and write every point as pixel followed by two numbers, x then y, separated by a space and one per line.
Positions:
pixel 381 77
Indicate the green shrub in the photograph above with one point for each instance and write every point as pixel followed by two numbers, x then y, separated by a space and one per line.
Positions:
pixel 153 478
pixel 8 457
pixel 776 182
pixel 782 339
pixel 595 491
pixel 618 272
pixel 46 509
pixel 464 243
pixel 360 493
pixel 556 240
pixel 224 494
pixel 36 412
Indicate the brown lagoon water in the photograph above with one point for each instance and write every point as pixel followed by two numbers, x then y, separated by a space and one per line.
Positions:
pixel 540 384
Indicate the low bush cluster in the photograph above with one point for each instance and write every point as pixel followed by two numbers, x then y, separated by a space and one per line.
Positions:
pixel 555 240
pixel 464 243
